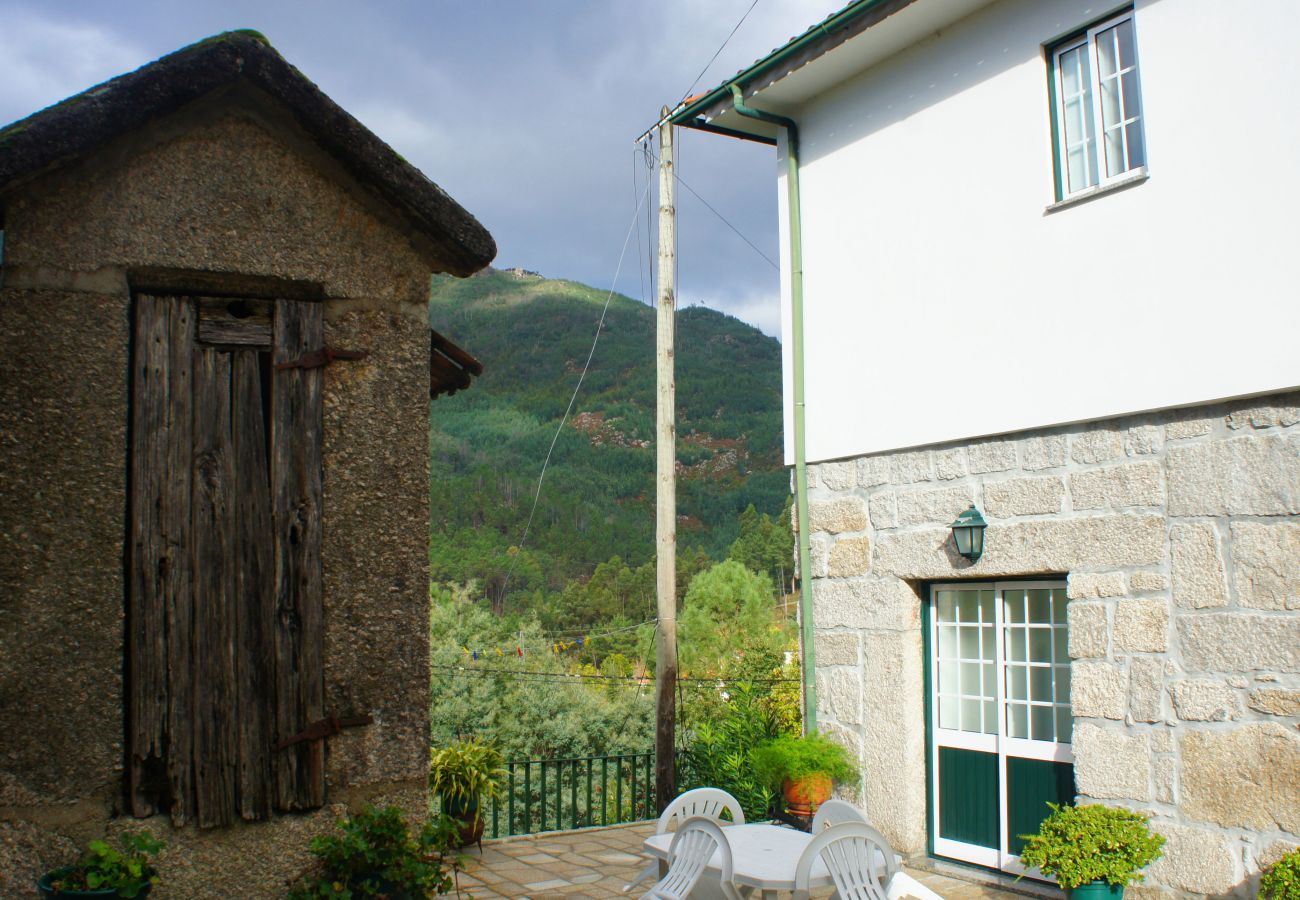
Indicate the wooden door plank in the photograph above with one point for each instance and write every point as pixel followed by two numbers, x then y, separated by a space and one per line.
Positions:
pixel 158 592
pixel 213 511
pixel 254 569
pixel 296 429
pixel 235 321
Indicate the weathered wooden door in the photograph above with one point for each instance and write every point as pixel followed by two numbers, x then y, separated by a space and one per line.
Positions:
pixel 224 608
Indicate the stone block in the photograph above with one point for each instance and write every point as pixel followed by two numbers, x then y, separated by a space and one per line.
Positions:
pixel 1266 565
pixel 1142 625
pixel 838 476
pixel 1088 631
pixel 1094 585
pixel 1195 860
pixel 1257 475
pixel 1023 497
pixel 1146 680
pixel 849 556
pixel 1096 446
pixel 991 456
pixel 874 471
pixel 1144 440
pixel 1275 701
pixel 838 515
pixel 1143 582
pixel 1046 452
pixel 871 602
pixel 836 648
pixel 1197 566
pixel 1248 777
pixel 884 511
pixel 1098 689
pixel 1162 741
pixel 1111 763
pixel 1190 426
pixel 1166 778
pixel 1278 413
pixel 936 507
pixel 819 546
pixel 1238 642
pixel 1134 484
pixel 840 691
pixel 1273 852
pixel 912 467
pixel 950 463
pixel 893 745
pixel 1204 701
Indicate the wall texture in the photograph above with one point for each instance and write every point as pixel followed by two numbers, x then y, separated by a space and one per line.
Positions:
pixel 1179 534
pixel 223 192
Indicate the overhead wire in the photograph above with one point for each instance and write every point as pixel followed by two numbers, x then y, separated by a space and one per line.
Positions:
pixel 717 53
pixel 533 673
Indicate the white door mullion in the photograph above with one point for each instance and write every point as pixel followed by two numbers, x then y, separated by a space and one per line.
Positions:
pixel 999 616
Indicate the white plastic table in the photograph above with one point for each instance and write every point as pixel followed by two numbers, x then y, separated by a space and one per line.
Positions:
pixel 765 856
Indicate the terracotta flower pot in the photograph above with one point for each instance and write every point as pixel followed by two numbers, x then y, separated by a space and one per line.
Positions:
pixel 804 795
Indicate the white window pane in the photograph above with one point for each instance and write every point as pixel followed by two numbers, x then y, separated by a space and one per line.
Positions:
pixel 1114 152
pixel 1017 683
pixel 971 711
pixel 988 640
pixel 970 642
pixel 968 606
pixel 1013 606
pixel 947 607
pixel 948 641
pixel 1040 607
pixel 1111 114
pixel 1017 720
pixel 1040 645
pixel 948 710
pixel 1073 78
pixel 1040 684
pixel 948 678
pixel 970 679
pixel 1061 649
pixel 1016 644
pixel 1064 725
pixel 990 681
pixel 1063 685
pixel 990 717
pixel 1106 61
pixel 1059 603
pixel 1124 31
pixel 1136 151
pixel 1043 723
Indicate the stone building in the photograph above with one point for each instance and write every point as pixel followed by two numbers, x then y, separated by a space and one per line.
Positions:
pixel 214 504
pixel 1015 278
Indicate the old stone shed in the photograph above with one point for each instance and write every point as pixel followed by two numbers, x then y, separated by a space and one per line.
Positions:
pixel 214 505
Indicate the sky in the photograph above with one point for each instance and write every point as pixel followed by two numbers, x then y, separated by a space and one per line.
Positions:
pixel 525 111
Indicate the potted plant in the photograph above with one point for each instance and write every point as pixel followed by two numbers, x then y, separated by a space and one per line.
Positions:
pixel 106 871
pixel 804 768
pixel 375 854
pixel 1093 850
pixel 464 774
pixel 1281 881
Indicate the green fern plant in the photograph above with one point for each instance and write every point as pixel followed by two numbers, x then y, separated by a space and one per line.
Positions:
pixel 1079 844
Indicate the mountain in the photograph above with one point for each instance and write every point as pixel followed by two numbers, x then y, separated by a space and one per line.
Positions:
pixel 488 443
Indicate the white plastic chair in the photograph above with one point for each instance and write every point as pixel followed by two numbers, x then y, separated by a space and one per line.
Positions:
pixel 710 802
pixel 834 812
pixel 860 861
pixel 698 838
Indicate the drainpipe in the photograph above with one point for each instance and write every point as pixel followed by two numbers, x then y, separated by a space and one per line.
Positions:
pixel 800 453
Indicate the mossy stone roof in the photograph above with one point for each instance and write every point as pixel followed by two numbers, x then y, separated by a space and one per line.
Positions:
pixel 87 121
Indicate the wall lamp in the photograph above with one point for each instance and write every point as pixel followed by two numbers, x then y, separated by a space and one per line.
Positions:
pixel 968 533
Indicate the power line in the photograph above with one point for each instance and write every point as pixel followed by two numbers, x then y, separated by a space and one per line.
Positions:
pixel 488 670
pixel 714 57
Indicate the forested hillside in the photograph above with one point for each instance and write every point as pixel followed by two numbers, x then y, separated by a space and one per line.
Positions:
pixel 597 504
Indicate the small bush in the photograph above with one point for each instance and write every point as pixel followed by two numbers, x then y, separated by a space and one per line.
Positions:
pixel 1079 844
pixel 127 871
pixel 794 757
pixel 1282 879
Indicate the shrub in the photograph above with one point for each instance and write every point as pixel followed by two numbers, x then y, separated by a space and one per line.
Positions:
pixel 127 871
pixel 1282 879
pixel 1079 844
pixel 374 854
pixel 795 757
pixel 721 752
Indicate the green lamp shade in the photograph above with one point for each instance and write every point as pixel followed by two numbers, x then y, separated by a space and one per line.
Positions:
pixel 968 533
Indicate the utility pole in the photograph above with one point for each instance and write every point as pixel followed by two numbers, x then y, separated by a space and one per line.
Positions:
pixel 666 480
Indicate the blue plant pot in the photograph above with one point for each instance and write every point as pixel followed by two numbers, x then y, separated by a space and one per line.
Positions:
pixel 44 884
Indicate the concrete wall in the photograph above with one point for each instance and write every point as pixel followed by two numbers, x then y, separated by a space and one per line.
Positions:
pixel 1179 534
pixel 222 191
pixel 927 245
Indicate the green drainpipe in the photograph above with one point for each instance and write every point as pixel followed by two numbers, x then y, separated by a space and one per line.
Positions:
pixel 800 453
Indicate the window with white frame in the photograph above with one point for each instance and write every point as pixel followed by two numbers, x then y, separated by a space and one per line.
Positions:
pixel 1097 106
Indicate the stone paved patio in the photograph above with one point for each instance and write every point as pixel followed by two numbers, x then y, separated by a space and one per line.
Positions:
pixel 596 863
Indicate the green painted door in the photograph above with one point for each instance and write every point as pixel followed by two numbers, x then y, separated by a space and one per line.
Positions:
pixel 999 716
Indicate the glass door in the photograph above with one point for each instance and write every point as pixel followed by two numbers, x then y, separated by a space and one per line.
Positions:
pixel 1000 716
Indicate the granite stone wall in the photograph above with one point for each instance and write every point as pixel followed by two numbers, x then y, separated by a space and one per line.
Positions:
pixel 1178 534
pixel 222 191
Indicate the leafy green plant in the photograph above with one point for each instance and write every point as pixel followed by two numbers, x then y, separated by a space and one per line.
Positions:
pixel 1281 881
pixel 375 854
pixel 1079 844
pixel 466 772
pixel 128 871
pixel 721 751
pixel 795 756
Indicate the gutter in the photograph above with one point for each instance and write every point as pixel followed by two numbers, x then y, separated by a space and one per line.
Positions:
pixel 808 663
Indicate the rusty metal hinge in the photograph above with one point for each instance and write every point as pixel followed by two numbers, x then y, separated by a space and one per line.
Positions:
pixel 314 359
pixel 325 728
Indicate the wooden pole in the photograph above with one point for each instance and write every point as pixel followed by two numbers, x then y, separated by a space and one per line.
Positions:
pixel 666 481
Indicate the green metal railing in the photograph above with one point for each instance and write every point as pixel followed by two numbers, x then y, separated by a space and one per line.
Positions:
pixel 582 792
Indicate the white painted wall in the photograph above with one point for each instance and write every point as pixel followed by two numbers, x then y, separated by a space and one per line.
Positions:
pixel 942 303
